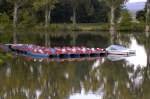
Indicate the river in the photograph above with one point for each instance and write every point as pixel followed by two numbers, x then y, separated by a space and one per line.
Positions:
pixel 128 78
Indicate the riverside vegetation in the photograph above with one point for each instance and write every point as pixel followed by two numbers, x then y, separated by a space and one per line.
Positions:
pixel 85 15
pixel 70 15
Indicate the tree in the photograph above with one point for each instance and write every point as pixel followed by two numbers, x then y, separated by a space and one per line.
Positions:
pixel 114 4
pixel 93 12
pixel 75 4
pixel 140 15
pixel 17 4
pixel 147 29
pixel 125 18
pixel 48 6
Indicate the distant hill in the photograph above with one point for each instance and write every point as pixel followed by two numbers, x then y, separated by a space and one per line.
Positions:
pixel 133 7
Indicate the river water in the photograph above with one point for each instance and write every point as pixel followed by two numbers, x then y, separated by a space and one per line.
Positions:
pixel 128 78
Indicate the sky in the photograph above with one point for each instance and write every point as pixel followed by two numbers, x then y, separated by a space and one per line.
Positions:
pixel 137 0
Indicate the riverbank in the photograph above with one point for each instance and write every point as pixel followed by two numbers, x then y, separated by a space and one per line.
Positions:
pixel 136 27
pixel 90 27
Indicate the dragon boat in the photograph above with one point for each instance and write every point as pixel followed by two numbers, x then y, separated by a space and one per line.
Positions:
pixel 35 51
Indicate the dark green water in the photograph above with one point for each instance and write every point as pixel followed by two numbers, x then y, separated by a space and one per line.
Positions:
pixel 95 79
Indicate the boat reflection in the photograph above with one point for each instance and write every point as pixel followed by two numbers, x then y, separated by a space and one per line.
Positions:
pixel 109 57
pixel 119 57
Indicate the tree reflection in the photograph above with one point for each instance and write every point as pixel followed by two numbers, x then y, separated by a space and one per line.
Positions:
pixel 116 80
pixel 144 91
pixel 120 38
pixel 57 80
pixel 47 40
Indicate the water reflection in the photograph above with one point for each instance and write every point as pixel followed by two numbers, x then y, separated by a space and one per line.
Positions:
pixel 88 95
pixel 97 79
pixel 141 58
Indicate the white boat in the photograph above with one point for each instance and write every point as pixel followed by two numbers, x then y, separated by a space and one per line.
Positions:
pixel 119 50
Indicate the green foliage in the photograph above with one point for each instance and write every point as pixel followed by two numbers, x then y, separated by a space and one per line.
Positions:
pixel 115 3
pixel 70 27
pixel 1 61
pixel 27 19
pixel 137 27
pixel 18 2
pixel 43 4
pixel 31 13
pixel 126 18
pixel 98 12
pixel 140 15
pixel 4 57
pixel 4 20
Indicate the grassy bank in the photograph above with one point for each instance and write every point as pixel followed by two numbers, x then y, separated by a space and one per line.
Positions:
pixel 79 27
pixel 91 27
pixel 70 27
pixel 135 27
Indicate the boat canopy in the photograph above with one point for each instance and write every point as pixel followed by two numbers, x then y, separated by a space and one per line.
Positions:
pixel 116 47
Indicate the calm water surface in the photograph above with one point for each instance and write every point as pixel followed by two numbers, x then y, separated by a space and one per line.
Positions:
pixel 88 79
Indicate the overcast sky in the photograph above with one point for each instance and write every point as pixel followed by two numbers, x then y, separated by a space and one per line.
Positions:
pixel 137 0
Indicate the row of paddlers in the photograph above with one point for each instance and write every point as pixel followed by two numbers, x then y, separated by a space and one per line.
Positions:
pixel 56 52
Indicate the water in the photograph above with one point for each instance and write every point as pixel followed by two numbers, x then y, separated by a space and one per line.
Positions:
pixel 129 78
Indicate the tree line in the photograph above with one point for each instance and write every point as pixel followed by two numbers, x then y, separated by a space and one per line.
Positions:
pixel 57 11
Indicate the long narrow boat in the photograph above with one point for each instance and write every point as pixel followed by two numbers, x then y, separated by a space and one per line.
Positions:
pixel 35 51
pixel 56 52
